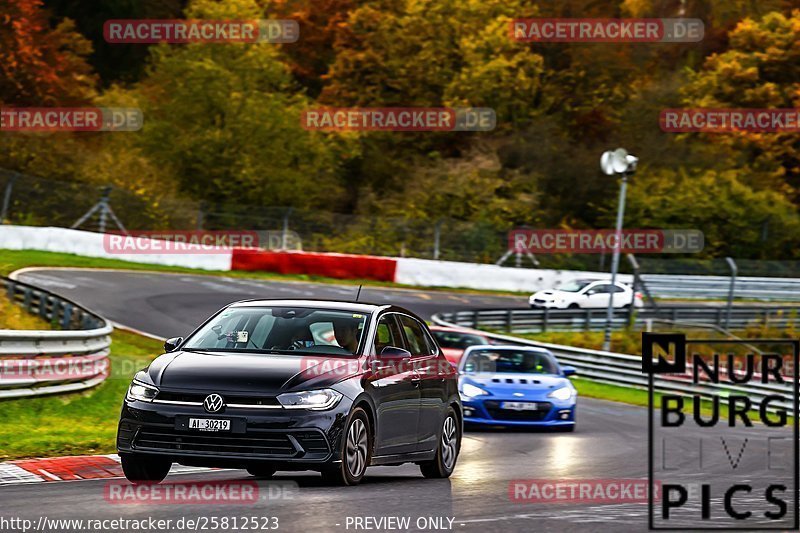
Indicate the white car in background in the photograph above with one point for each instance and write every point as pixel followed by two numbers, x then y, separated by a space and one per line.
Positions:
pixel 586 294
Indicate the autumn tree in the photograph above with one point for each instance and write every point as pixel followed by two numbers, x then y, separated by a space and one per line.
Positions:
pixel 41 65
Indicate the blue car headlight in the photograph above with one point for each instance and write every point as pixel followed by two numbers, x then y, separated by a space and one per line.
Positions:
pixel 563 394
pixel 469 390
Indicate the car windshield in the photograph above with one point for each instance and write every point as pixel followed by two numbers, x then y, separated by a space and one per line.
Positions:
pixel 289 330
pixel 455 339
pixel 510 362
pixel 574 285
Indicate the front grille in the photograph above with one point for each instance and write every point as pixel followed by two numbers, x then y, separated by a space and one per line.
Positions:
pixel 193 397
pixel 494 410
pixel 253 443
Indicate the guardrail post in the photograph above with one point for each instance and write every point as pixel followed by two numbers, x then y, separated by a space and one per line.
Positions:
pixel 588 324
pixel 43 298
pixel 7 197
pixel 11 287
pixel 475 319
pixel 546 318
pixel 26 302
pixel 509 320
pixel 731 289
pixel 67 317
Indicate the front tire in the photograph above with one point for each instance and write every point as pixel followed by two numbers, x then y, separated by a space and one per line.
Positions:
pixel 444 463
pixel 139 469
pixel 356 451
pixel 573 306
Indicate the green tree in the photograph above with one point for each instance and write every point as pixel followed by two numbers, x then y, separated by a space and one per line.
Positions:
pixel 224 120
pixel 731 214
pixel 760 70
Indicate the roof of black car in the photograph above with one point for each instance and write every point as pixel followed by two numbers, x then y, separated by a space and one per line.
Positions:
pixel 319 304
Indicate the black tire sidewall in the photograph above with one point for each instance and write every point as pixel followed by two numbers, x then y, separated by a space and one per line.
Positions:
pixel 138 469
pixel 342 473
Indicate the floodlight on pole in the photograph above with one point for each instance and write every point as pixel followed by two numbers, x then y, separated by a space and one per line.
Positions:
pixel 612 163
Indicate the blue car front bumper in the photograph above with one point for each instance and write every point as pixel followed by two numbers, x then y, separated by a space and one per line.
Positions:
pixel 490 411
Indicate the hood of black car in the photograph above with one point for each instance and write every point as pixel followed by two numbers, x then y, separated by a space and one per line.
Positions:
pixel 248 373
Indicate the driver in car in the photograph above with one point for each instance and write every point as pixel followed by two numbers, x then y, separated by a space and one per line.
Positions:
pixel 346 332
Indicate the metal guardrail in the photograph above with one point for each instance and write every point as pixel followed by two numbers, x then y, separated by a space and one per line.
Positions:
pixel 33 363
pixel 717 287
pixel 542 320
pixel 626 371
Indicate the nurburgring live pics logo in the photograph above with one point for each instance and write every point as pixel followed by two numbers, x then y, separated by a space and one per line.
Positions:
pixel 705 424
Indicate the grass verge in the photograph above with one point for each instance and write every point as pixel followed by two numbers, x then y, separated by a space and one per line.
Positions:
pixel 13 316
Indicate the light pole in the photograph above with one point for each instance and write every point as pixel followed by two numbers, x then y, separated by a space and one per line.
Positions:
pixel 612 163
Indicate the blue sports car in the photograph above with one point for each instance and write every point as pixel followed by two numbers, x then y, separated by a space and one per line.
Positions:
pixel 516 386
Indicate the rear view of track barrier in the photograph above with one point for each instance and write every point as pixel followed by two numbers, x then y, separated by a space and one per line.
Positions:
pixel 69 359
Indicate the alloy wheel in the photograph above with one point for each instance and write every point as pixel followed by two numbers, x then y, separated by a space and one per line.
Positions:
pixel 356 449
pixel 449 443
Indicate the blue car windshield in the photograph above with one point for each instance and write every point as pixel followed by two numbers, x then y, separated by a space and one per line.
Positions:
pixel 289 330
pixel 509 362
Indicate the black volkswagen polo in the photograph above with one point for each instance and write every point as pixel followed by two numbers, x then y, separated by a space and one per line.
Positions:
pixel 269 385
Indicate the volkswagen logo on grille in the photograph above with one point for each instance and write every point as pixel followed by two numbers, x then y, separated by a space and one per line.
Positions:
pixel 213 403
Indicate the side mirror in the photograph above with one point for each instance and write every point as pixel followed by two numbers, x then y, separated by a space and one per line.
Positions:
pixel 568 371
pixel 171 344
pixel 393 353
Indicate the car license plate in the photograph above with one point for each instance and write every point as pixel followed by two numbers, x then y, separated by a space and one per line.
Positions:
pixel 209 424
pixel 520 406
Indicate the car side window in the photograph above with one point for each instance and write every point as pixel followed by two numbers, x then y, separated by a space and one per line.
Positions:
pixel 415 336
pixel 602 289
pixel 387 333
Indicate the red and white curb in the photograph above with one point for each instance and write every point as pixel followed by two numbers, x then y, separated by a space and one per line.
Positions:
pixel 71 469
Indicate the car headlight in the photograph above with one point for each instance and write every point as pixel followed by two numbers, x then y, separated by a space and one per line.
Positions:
pixel 563 394
pixel 317 400
pixel 141 392
pixel 470 391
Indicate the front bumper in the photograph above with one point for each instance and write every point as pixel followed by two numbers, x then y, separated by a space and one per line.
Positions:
pixel 489 412
pixel 280 436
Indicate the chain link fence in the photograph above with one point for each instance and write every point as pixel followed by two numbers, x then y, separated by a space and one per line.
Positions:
pixel 34 201
pixel 28 200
